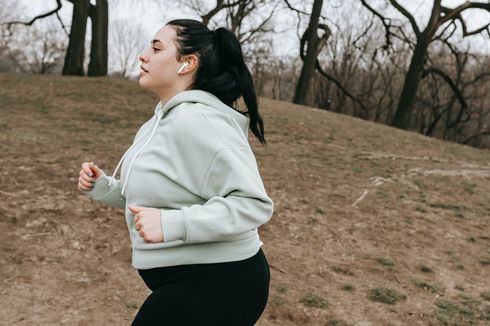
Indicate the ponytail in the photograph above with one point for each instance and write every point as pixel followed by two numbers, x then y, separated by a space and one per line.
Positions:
pixel 222 70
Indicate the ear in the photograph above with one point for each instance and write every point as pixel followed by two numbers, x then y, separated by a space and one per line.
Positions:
pixel 191 61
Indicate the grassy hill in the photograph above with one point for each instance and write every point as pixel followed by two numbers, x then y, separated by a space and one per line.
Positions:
pixel 372 225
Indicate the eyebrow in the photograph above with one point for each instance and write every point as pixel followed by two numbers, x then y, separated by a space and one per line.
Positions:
pixel 155 41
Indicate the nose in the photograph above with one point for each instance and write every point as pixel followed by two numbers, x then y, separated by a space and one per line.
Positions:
pixel 142 57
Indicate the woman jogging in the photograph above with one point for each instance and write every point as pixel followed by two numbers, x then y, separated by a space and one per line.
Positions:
pixel 190 186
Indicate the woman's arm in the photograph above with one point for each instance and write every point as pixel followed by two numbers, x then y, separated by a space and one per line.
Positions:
pixel 107 190
pixel 97 185
pixel 237 201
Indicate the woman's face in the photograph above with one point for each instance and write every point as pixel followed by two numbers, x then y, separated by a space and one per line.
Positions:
pixel 159 65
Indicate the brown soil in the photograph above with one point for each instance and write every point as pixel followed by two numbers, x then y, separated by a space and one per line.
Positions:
pixel 360 209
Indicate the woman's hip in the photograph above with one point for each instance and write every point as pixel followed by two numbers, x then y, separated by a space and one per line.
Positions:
pixel 251 270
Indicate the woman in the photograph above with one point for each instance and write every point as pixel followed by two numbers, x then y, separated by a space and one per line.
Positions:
pixel 190 186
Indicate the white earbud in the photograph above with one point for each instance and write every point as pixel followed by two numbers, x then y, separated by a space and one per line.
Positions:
pixel 185 65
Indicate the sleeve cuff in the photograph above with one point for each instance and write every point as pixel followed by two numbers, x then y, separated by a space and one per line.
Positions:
pixel 101 187
pixel 173 226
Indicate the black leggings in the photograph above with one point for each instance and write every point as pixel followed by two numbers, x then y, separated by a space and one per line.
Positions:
pixel 230 293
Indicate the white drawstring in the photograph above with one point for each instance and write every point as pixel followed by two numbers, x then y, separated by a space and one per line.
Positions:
pixel 136 154
pixel 129 149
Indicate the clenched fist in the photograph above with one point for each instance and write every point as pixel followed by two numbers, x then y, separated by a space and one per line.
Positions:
pixel 147 223
pixel 88 174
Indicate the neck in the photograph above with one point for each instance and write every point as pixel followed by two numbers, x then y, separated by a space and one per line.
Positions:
pixel 166 94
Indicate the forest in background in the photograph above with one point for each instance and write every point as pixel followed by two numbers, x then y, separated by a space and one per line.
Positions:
pixel 423 68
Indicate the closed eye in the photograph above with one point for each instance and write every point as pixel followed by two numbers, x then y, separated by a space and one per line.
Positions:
pixel 156 49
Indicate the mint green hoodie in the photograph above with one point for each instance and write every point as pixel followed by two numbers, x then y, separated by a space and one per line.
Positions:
pixel 192 160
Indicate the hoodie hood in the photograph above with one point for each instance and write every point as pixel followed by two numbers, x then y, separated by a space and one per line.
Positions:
pixel 206 98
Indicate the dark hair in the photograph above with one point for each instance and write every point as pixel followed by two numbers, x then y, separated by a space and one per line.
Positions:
pixel 221 70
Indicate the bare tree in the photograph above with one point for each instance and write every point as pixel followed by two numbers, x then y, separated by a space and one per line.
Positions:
pixel 9 12
pixel 46 48
pixel 74 58
pixel 248 19
pixel 127 41
pixel 314 45
pixel 75 52
pixel 442 19
pixel 99 16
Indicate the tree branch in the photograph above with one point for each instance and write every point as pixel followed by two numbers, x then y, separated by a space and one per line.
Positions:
pixel 405 13
pixel 296 10
pixel 478 134
pixel 29 23
pixel 62 25
pixel 478 77
pixel 385 21
pixel 452 24
pixel 220 5
pixel 258 28
pixel 339 85
pixel 449 81
pixel 451 14
pixel 476 31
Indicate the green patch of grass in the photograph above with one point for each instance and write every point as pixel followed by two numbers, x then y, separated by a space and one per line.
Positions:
pixel 419 183
pixel 422 197
pixel 485 261
pixel 131 305
pixel 43 109
pixel 420 209
pixel 319 210
pixel 311 220
pixel 347 287
pixel 342 270
pixel 335 322
pixel 425 285
pixel 455 208
pixel 445 206
pixel 467 300
pixel 451 313
pixel 382 194
pixel 282 289
pixel 103 119
pixel 277 301
pixel 386 296
pixel 469 187
pixel 387 262
pixel 313 300
pixel 471 239
pixel 356 169
pixel 426 269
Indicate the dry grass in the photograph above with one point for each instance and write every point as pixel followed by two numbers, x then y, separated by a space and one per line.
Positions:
pixel 358 207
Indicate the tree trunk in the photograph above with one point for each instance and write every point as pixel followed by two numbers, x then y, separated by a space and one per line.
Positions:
pixel 99 15
pixel 311 53
pixel 411 84
pixel 76 46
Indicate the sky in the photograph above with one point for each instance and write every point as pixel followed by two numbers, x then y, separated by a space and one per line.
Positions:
pixel 151 17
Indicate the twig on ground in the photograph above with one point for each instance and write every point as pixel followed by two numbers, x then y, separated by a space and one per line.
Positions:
pixel 360 198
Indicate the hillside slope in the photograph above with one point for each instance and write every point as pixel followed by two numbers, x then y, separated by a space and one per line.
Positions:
pixel 372 225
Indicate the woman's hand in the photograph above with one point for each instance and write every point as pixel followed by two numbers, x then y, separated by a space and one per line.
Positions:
pixel 147 223
pixel 88 174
